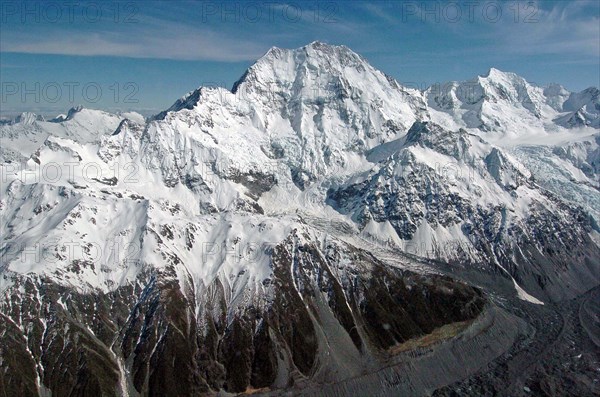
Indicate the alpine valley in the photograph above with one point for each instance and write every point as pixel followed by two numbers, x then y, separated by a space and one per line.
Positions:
pixel 317 229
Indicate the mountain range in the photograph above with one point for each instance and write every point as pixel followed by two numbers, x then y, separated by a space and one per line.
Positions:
pixel 318 227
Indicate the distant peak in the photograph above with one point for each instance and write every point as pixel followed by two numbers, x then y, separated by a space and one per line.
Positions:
pixel 74 110
pixel 188 101
pixel 494 74
pixel 316 43
pixel 493 71
pixel 594 91
pixel 554 89
pixel 58 119
pixel 28 118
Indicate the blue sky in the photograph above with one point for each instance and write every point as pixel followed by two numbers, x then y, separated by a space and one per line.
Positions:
pixel 131 55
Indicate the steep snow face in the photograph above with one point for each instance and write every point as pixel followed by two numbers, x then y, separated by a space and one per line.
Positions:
pixel 217 137
pixel 72 238
pixel 331 82
pixel 569 169
pixel 319 104
pixel 296 120
pixel 584 155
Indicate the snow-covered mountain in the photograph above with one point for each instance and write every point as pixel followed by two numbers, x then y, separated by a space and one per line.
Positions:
pixel 453 196
pixel 505 104
pixel 29 131
pixel 583 108
pixel 295 231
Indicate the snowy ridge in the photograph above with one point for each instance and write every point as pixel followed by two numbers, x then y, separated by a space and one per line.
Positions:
pixel 28 132
pixel 505 104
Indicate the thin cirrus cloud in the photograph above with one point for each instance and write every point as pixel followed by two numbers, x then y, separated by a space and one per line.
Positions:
pixel 568 28
pixel 524 28
pixel 158 34
pixel 176 42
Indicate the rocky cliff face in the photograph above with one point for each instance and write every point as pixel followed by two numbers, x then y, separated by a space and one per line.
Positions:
pixel 322 314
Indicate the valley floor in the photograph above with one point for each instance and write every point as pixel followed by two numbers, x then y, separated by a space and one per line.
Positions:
pixel 549 350
pixel 559 356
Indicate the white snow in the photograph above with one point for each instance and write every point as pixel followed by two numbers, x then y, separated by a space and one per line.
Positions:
pixel 522 294
pixel 318 115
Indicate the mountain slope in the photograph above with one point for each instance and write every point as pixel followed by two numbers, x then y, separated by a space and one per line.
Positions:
pixel 452 196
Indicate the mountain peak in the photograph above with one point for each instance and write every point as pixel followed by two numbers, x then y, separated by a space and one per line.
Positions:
pixel 554 89
pixel 281 64
pixel 318 43
pixel 310 49
pixel 504 78
pixel 496 72
pixel 74 110
pixel 188 101
pixel 330 48
pixel 593 92
pixel 28 118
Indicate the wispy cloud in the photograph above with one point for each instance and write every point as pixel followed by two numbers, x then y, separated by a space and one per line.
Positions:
pixel 382 11
pixel 227 32
pixel 516 27
pixel 567 29
pixel 153 39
